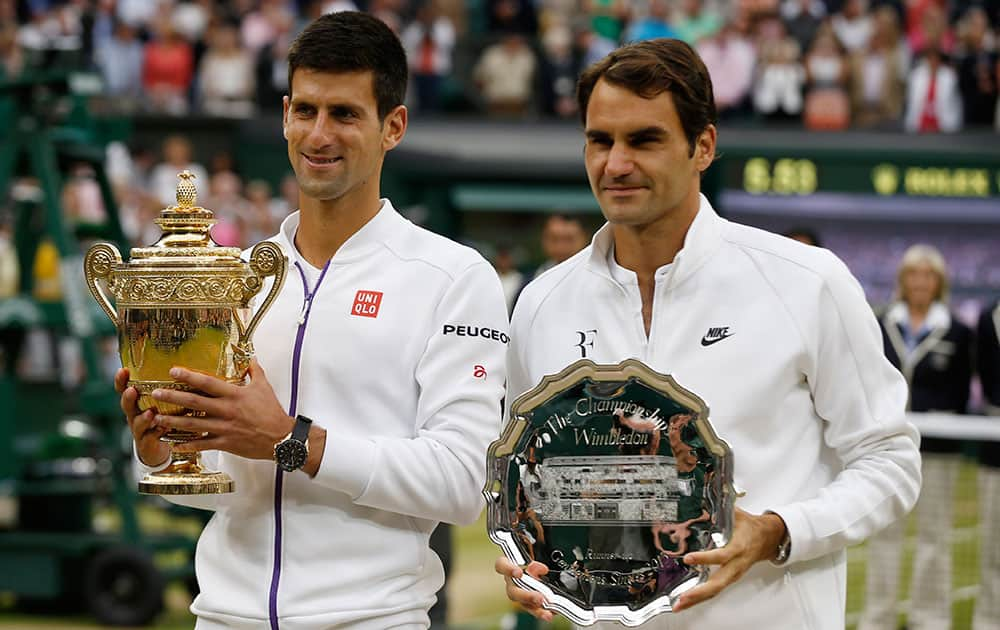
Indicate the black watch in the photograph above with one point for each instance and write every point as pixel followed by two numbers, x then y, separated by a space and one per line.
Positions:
pixel 290 454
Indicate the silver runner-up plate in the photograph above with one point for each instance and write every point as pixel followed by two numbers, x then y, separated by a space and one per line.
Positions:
pixel 609 475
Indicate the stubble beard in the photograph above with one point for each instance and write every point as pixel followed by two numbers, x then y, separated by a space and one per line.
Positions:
pixel 323 190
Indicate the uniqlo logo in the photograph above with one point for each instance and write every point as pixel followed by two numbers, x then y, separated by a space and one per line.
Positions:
pixel 366 303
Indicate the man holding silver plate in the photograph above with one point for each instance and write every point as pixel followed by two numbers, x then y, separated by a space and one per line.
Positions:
pixel 676 358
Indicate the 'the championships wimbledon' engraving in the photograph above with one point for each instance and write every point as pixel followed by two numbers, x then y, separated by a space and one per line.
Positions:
pixel 630 413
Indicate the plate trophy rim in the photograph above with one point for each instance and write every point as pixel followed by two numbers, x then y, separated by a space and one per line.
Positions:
pixel 504 447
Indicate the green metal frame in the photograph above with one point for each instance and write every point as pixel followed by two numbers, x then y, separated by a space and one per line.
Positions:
pixel 40 564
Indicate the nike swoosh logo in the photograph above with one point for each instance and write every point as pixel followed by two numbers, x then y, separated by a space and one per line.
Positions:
pixel 705 341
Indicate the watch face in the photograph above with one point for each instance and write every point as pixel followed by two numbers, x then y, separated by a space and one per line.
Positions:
pixel 290 455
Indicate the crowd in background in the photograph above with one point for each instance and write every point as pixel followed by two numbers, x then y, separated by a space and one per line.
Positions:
pixel 920 65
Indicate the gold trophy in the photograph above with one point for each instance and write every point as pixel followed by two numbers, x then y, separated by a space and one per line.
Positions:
pixel 182 302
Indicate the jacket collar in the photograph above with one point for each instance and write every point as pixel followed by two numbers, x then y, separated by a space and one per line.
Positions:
pixel 938 316
pixel 703 239
pixel 371 235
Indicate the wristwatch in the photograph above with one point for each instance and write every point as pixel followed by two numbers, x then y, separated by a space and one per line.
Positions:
pixel 290 453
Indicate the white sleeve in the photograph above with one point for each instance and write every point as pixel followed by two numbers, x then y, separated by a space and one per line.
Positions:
pixel 862 399
pixel 439 474
pixel 210 459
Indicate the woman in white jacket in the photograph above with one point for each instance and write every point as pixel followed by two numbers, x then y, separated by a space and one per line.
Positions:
pixel 933 100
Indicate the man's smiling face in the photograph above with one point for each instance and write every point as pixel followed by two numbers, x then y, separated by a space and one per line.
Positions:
pixel 336 140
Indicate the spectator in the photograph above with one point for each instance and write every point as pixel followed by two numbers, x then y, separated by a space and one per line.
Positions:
pixel 804 235
pixel 120 61
pixel 878 74
pixel 777 92
pixel 977 70
pixel 137 13
pixel 99 26
pixel 429 41
pixel 802 19
pixel 272 73
pixel 607 17
pixel 176 158
pixel 933 350
pixel 730 59
pixel 81 197
pixel 652 25
pixel 260 224
pixel 933 102
pixel 190 19
pixel 852 25
pixel 168 68
pixel 35 37
pixel 562 237
pixel 336 6
pixel 225 199
pixel 390 12
pixel 827 106
pixel 591 46
pixel 510 278
pixel 987 610
pixel 66 33
pixel 221 162
pixel 12 59
pixel 288 201
pixel 263 26
pixel 695 23
pixel 512 16
pixel 12 335
pixel 505 74
pixel 558 70
pixel 9 269
pixel 926 21
pixel 226 78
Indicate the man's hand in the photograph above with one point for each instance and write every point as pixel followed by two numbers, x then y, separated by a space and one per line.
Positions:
pixel 246 420
pixel 755 538
pixel 145 430
pixel 528 600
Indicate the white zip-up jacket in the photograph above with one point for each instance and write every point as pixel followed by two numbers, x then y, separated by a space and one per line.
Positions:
pixel 401 359
pixel 778 340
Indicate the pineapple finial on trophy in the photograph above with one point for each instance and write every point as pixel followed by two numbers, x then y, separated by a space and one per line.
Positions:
pixel 187 193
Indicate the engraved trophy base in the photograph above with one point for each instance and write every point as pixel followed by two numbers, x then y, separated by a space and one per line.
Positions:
pixel 185 476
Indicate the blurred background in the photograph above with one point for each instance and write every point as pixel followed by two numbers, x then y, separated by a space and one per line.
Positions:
pixel 865 127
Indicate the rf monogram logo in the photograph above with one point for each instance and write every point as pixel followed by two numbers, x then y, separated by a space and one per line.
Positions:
pixel 587 338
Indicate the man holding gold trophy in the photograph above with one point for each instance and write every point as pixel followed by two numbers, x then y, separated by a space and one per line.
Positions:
pixel 376 388
pixel 774 336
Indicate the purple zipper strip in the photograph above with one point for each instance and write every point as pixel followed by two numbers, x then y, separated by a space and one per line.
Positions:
pixel 272 605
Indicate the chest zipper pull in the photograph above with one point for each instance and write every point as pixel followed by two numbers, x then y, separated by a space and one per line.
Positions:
pixel 305 309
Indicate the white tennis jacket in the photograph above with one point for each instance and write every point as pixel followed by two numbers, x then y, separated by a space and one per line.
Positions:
pixel 779 341
pixel 400 357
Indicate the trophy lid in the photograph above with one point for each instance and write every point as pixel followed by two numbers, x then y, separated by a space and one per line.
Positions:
pixel 186 231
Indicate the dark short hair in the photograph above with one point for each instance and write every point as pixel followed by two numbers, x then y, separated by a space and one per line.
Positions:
pixel 654 66
pixel 350 41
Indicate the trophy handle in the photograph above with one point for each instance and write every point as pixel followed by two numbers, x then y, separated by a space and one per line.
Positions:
pixel 98 264
pixel 266 259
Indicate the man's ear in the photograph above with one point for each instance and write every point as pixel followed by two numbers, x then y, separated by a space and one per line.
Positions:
pixel 284 116
pixel 394 128
pixel 704 149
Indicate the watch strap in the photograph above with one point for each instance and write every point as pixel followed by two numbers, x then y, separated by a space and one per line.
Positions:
pixel 301 431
